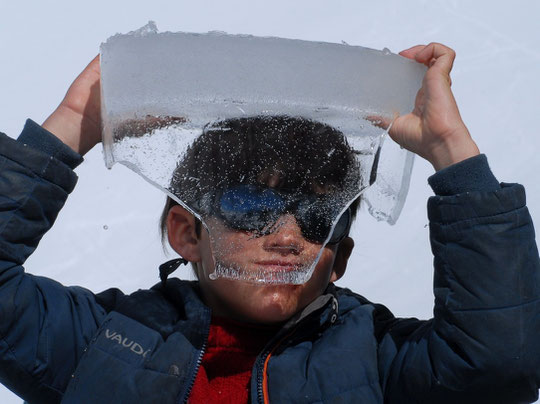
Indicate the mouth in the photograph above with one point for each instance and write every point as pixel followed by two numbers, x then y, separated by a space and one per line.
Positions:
pixel 263 272
pixel 279 265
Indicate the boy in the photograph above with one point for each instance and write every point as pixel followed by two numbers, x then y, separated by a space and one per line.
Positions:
pixel 232 341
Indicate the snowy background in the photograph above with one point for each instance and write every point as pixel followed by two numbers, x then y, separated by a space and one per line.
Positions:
pixel 107 234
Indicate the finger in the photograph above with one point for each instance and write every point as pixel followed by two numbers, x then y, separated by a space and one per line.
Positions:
pixel 94 66
pixel 141 127
pixel 436 54
pixel 411 52
pixel 90 74
pixel 379 121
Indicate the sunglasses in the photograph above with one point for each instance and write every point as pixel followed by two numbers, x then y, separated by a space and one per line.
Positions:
pixel 258 209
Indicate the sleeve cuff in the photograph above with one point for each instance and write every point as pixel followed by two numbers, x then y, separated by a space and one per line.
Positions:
pixel 41 139
pixel 469 175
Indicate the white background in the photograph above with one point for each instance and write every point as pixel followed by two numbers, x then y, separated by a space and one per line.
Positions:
pixel 107 234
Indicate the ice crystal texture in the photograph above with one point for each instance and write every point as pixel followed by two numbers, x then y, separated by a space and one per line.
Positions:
pixel 162 91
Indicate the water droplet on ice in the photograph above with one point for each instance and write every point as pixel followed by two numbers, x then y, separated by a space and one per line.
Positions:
pixel 386 51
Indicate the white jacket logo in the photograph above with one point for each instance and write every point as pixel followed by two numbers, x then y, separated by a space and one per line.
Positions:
pixel 126 343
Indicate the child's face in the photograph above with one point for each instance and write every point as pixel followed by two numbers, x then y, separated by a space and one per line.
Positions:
pixel 281 250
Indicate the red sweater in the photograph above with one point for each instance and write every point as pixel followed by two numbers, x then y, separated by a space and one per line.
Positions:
pixel 225 372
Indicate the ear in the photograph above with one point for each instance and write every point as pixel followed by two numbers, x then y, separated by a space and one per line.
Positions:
pixel 343 253
pixel 182 235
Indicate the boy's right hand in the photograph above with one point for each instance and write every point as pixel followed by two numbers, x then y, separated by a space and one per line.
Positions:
pixel 77 120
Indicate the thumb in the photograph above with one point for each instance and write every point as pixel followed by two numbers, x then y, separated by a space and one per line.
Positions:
pixel 406 130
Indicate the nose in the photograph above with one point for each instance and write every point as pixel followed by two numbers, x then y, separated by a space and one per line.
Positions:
pixel 286 238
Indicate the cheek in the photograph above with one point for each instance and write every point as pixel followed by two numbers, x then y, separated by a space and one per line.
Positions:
pixel 326 263
pixel 207 260
pixel 227 244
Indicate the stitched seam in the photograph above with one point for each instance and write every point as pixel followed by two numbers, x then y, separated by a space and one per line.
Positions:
pixel 476 218
pixel 514 306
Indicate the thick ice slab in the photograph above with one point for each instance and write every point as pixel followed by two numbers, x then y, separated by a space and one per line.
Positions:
pixel 161 89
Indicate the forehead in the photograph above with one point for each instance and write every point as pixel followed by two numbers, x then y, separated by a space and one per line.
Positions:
pixel 277 152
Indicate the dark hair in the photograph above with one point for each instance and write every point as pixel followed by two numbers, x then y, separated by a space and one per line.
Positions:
pixel 296 154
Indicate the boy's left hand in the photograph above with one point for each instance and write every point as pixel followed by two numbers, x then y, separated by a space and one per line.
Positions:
pixel 434 129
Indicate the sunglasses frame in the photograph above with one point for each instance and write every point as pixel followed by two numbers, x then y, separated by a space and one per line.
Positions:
pixel 287 207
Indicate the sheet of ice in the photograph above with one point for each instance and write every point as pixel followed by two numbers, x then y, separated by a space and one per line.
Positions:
pixel 162 91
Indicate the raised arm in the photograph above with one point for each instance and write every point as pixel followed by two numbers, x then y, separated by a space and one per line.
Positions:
pixel 482 344
pixel 44 326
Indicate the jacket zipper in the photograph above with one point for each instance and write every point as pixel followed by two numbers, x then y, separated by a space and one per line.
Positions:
pixel 260 376
pixel 262 395
pixel 198 364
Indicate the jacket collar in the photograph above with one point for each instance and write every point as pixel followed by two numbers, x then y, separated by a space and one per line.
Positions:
pixel 325 305
pixel 185 295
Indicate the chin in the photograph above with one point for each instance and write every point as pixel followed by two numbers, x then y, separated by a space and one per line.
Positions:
pixel 278 304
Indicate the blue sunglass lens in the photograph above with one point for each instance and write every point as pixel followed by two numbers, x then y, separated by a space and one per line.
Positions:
pixel 251 199
pixel 252 208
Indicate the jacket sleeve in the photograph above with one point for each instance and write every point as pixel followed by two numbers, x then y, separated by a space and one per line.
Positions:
pixel 44 326
pixel 482 346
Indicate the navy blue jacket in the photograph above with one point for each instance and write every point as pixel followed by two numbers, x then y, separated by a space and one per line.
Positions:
pixel 482 346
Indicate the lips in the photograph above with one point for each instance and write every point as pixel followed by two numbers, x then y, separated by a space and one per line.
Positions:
pixel 279 265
